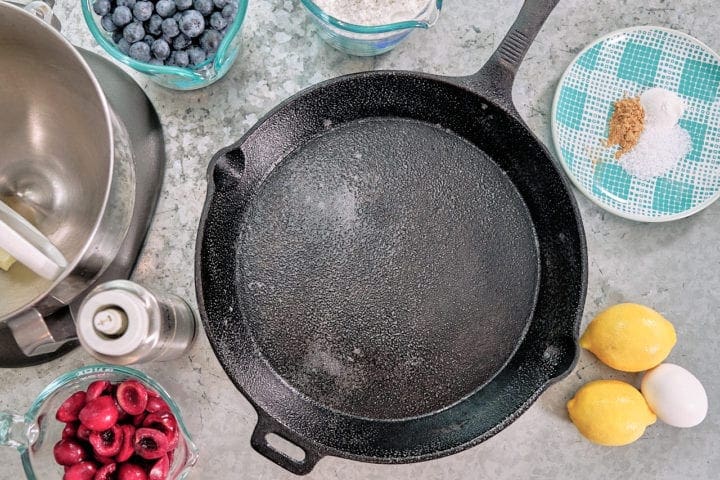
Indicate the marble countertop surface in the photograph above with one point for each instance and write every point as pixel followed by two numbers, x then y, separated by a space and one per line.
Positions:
pixel 674 267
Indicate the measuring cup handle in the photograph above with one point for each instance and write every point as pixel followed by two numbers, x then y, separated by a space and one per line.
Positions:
pixel 13 431
pixel 43 9
pixel 495 79
pixel 28 246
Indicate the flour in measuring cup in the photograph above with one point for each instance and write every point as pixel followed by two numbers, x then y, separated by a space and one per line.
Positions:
pixel 373 12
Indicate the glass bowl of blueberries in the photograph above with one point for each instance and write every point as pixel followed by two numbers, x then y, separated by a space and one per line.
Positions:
pixel 180 44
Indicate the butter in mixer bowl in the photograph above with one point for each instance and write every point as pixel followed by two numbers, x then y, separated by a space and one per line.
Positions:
pixel 6 261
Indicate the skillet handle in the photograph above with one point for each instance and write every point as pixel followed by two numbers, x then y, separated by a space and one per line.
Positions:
pixel 266 425
pixel 495 79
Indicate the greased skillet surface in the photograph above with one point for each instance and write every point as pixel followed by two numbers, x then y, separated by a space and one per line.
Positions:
pixel 387 268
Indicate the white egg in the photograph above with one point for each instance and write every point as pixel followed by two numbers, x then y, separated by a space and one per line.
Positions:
pixel 675 395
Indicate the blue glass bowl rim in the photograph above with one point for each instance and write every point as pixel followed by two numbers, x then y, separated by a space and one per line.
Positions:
pixel 218 60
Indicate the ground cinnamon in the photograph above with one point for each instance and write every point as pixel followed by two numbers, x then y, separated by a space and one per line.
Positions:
pixel 626 125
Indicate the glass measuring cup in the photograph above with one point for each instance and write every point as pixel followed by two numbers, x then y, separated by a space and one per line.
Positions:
pixel 34 434
pixel 176 78
pixel 365 40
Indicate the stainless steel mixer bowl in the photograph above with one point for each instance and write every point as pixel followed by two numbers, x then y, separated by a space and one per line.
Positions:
pixel 66 164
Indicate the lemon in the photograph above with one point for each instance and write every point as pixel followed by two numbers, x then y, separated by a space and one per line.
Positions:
pixel 610 412
pixel 630 337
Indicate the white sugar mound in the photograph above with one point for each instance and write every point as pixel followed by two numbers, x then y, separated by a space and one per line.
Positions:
pixel 658 151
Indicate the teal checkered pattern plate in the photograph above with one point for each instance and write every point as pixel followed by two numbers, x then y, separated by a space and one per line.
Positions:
pixel 626 63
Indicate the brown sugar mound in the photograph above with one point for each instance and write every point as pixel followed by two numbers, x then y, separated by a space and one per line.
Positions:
pixel 626 125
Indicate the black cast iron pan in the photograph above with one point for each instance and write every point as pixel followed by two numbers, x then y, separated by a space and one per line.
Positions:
pixel 389 265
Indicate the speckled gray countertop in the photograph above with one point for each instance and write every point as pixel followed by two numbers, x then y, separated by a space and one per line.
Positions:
pixel 673 267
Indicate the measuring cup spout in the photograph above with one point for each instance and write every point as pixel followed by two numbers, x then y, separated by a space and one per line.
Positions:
pixel 14 431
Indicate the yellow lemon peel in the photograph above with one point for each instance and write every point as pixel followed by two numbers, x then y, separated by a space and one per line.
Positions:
pixel 629 337
pixel 610 412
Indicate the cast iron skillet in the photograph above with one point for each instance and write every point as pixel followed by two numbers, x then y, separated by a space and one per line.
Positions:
pixel 389 265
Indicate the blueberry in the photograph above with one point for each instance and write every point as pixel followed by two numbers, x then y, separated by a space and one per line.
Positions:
pixel 124 46
pixel 126 3
pixel 180 58
pixel 217 21
pixel 154 25
pixel 149 39
pixel 102 7
pixel 229 11
pixel 117 35
pixel 134 32
pixel 107 23
pixel 183 4
pixel 210 41
pixel 196 55
pixel 192 23
pixel 140 51
pixel 160 49
pixel 203 6
pixel 122 16
pixel 177 17
pixel 155 61
pixel 220 4
pixel 165 8
pixel 181 42
pixel 170 28
pixel 142 11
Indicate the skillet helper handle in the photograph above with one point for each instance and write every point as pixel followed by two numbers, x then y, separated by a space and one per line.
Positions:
pixel 28 246
pixel 495 79
pixel 259 441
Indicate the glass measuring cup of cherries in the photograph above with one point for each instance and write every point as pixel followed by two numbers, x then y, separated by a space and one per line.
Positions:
pixel 101 423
